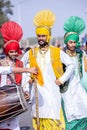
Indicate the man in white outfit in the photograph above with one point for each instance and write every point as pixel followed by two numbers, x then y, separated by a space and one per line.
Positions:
pixel 75 98
pixel 49 61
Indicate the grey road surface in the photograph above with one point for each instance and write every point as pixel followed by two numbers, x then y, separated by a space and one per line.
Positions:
pixel 26 120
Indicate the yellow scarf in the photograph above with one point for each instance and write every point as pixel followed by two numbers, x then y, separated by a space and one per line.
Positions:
pixel 33 63
pixel 55 60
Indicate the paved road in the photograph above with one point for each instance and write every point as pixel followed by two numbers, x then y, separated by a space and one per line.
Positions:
pixel 25 120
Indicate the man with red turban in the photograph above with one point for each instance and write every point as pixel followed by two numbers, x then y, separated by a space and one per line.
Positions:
pixel 11 33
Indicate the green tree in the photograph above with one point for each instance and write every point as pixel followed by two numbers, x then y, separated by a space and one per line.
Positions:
pixel 5 9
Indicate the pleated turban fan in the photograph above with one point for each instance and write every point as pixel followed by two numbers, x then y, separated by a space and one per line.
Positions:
pixel 44 20
pixel 12 34
pixel 73 27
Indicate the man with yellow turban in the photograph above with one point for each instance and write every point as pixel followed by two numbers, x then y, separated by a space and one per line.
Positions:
pixel 49 61
pixel 75 98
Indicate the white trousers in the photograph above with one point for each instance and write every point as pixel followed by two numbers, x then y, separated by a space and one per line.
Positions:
pixel 12 124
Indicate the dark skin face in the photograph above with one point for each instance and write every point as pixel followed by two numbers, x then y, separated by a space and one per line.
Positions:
pixel 42 40
pixel 71 45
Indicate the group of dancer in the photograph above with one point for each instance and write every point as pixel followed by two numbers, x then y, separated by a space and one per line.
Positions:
pixel 58 96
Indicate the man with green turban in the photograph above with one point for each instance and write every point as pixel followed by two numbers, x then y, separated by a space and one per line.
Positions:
pixel 75 98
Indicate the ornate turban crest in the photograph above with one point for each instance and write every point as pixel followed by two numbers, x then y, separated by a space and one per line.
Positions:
pixel 12 34
pixel 44 21
pixel 73 27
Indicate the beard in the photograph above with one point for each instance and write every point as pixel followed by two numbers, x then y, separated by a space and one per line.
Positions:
pixel 12 57
pixel 42 43
pixel 72 49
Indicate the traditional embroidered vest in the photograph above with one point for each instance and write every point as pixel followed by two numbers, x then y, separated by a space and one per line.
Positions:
pixel 18 76
pixel 55 60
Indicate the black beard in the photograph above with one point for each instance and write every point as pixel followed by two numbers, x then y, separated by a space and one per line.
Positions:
pixel 43 45
pixel 71 50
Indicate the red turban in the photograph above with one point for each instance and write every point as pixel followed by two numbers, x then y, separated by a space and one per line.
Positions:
pixel 12 34
pixel 11 46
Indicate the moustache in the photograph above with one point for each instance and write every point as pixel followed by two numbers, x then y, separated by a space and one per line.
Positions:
pixel 41 41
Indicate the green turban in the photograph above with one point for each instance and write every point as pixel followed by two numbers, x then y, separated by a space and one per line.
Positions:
pixel 73 27
pixel 71 36
pixel 78 44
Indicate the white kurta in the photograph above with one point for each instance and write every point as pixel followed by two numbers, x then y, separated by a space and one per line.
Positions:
pixel 5 70
pixel 49 96
pixel 12 123
pixel 75 99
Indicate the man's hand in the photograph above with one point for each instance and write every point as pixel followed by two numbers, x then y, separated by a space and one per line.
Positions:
pixel 33 70
pixel 57 82
pixel 26 95
pixel 31 81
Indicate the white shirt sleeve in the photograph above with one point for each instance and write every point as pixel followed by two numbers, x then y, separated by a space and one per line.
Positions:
pixel 25 76
pixel 5 70
pixel 25 81
pixel 25 59
pixel 70 67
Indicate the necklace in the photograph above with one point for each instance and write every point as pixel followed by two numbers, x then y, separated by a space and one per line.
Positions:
pixel 43 50
pixel 70 53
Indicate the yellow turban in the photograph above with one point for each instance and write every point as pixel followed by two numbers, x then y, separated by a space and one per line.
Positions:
pixel 44 21
pixel 44 31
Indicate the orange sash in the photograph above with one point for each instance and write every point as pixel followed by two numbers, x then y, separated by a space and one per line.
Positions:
pixel 33 63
